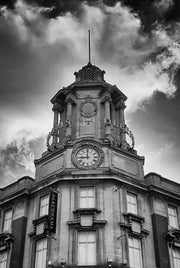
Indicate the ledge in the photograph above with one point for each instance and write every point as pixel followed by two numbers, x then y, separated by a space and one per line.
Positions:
pixel 96 224
pixel 134 217
pixel 87 210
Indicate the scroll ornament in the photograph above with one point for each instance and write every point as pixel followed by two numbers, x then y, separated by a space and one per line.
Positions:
pixel 130 134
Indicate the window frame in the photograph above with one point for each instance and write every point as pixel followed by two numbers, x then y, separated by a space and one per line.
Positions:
pixel 35 250
pixel 39 209
pixel 171 248
pixel 94 196
pixel 140 249
pixel 137 206
pixel 169 215
pixel 11 219
pixel 96 244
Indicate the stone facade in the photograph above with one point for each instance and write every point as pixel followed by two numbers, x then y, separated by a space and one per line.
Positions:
pixel 90 203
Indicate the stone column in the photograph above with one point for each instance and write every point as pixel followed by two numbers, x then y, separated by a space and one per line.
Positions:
pixel 122 123
pixel 56 122
pixel 122 120
pixel 69 117
pixel 107 119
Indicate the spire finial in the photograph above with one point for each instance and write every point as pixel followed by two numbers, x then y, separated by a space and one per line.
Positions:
pixel 89 47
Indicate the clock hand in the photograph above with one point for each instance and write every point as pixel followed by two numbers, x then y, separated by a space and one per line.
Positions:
pixel 87 153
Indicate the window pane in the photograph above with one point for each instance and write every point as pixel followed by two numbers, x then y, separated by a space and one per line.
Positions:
pixel 91 254
pixel 81 254
pixel 90 191
pixel 86 248
pixel 131 257
pixel 44 205
pixel 41 252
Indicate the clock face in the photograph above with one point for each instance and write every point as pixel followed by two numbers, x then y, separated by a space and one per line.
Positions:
pixel 87 157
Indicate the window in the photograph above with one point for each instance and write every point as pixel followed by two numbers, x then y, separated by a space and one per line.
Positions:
pixel 87 197
pixel 3 259
pixel 132 203
pixel 173 217
pixel 87 248
pixel 135 252
pixel 41 252
pixel 7 220
pixel 44 205
pixel 176 257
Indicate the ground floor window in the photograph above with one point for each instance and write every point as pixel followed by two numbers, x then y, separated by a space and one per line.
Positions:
pixel 176 257
pixel 41 253
pixel 87 248
pixel 3 259
pixel 135 252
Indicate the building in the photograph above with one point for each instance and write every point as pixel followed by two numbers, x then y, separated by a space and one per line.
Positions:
pixel 90 203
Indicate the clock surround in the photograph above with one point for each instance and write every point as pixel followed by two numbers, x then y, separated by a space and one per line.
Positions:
pixel 87 155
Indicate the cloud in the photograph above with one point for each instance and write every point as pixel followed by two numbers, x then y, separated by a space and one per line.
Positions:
pixel 159 160
pixel 16 157
pixel 163 6
pixel 46 52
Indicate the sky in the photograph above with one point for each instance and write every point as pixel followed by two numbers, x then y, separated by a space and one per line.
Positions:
pixel 42 44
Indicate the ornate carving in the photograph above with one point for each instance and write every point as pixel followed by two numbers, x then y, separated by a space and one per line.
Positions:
pixel 124 143
pixel 50 134
pixel 6 241
pixel 129 133
pixel 88 108
pixel 68 122
pixel 90 73
pixel 70 99
pixel 53 132
pixel 134 224
pixel 40 227
pixel 88 212
pixel 106 99
pixel 107 121
pixel 57 107
pixel 173 237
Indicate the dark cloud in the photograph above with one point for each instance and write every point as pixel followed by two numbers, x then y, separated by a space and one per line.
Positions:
pixel 8 3
pixel 150 11
pixel 162 114
pixel 173 13
pixel 147 10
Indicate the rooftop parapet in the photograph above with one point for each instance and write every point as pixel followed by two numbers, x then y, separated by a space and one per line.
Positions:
pixel 154 180
pixel 23 184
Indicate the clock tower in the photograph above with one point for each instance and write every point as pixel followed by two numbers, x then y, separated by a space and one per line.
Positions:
pixel 89 134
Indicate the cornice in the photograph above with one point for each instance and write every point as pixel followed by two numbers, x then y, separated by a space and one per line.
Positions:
pixel 153 190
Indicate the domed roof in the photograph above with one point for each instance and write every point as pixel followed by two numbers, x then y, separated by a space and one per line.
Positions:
pixel 89 73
